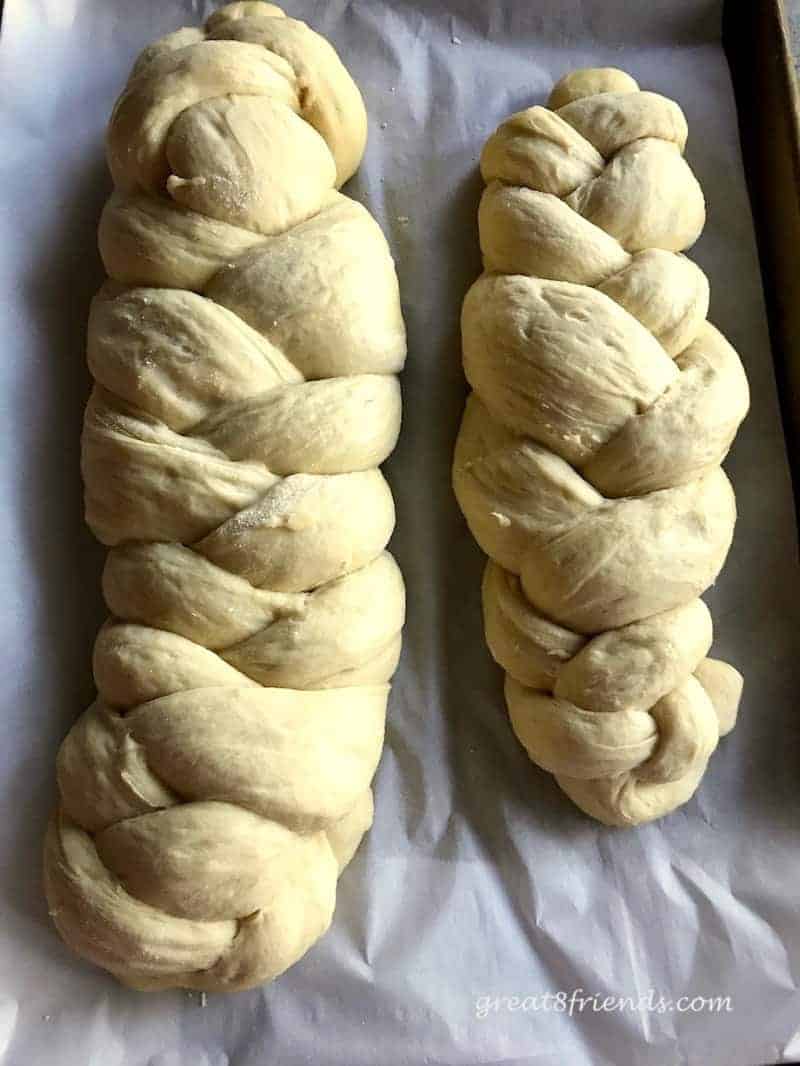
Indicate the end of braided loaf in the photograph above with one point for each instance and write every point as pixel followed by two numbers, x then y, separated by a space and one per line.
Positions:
pixel 244 353
pixel 588 460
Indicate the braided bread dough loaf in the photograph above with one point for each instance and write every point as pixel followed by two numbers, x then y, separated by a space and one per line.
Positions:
pixel 244 354
pixel 588 460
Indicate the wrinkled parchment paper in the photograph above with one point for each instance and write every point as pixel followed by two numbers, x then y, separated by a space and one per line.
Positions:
pixel 479 879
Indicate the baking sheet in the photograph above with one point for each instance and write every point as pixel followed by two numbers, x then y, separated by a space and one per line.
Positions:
pixel 479 878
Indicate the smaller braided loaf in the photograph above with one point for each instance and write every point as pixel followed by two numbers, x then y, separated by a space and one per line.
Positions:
pixel 244 353
pixel 588 460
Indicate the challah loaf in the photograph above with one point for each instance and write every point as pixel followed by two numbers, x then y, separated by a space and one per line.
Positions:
pixel 588 460
pixel 244 354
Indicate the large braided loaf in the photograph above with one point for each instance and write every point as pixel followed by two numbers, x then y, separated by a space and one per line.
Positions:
pixel 244 354
pixel 588 460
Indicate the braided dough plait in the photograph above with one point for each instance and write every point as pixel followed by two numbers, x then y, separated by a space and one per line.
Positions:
pixel 244 354
pixel 588 460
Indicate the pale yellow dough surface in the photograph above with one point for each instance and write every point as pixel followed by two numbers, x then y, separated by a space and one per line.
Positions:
pixel 244 353
pixel 588 460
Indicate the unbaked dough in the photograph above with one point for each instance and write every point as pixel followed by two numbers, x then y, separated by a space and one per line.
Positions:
pixel 244 353
pixel 588 460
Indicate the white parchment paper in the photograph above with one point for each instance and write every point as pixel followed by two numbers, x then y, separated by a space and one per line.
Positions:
pixel 479 879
